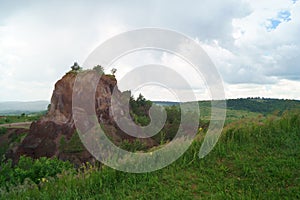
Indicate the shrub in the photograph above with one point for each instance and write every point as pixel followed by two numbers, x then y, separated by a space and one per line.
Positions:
pixel 28 168
pixel 99 69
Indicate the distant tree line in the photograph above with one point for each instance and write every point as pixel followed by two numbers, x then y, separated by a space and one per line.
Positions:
pixel 262 105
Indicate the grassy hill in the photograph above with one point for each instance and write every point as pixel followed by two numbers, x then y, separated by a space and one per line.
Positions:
pixel 254 159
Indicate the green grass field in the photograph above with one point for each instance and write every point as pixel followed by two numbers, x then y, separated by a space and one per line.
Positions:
pixel 19 118
pixel 254 159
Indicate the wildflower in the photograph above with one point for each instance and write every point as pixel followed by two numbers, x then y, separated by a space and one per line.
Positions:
pixel 44 180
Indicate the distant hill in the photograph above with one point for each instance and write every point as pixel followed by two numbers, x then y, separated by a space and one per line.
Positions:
pixel 259 105
pixel 165 103
pixel 243 107
pixel 263 105
pixel 19 107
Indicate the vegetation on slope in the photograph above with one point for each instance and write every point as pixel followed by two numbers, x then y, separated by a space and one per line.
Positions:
pixel 10 138
pixel 256 159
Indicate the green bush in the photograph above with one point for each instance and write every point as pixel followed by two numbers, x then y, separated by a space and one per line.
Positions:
pixel 99 69
pixel 35 170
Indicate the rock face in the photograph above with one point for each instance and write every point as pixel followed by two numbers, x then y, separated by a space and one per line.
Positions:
pixel 55 134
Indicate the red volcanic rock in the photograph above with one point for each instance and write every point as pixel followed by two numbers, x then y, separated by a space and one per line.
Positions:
pixel 55 133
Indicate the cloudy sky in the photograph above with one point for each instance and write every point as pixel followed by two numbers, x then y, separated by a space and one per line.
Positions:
pixel 255 45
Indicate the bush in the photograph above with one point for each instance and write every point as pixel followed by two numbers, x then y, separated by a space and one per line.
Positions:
pixel 99 69
pixel 34 170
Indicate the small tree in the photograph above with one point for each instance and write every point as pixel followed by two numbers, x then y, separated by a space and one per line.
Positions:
pixel 113 71
pixel 75 67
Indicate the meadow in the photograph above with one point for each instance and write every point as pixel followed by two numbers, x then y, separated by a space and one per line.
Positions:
pixel 255 158
pixel 8 119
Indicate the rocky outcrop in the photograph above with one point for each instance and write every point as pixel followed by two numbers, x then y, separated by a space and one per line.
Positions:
pixel 55 134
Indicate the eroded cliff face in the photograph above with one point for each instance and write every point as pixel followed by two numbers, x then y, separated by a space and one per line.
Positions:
pixel 55 134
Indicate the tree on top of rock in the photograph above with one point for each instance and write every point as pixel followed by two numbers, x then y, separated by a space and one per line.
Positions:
pixel 75 67
pixel 113 71
pixel 99 69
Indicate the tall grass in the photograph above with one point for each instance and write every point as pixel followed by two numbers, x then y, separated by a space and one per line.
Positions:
pixel 257 159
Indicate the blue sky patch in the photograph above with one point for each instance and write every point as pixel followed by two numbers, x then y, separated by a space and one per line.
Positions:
pixel 282 16
pixel 274 23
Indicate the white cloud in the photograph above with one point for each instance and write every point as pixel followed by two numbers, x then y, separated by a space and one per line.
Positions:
pixel 283 89
pixel 39 40
pixel 182 70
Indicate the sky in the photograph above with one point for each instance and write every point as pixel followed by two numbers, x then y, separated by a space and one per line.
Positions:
pixel 254 45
